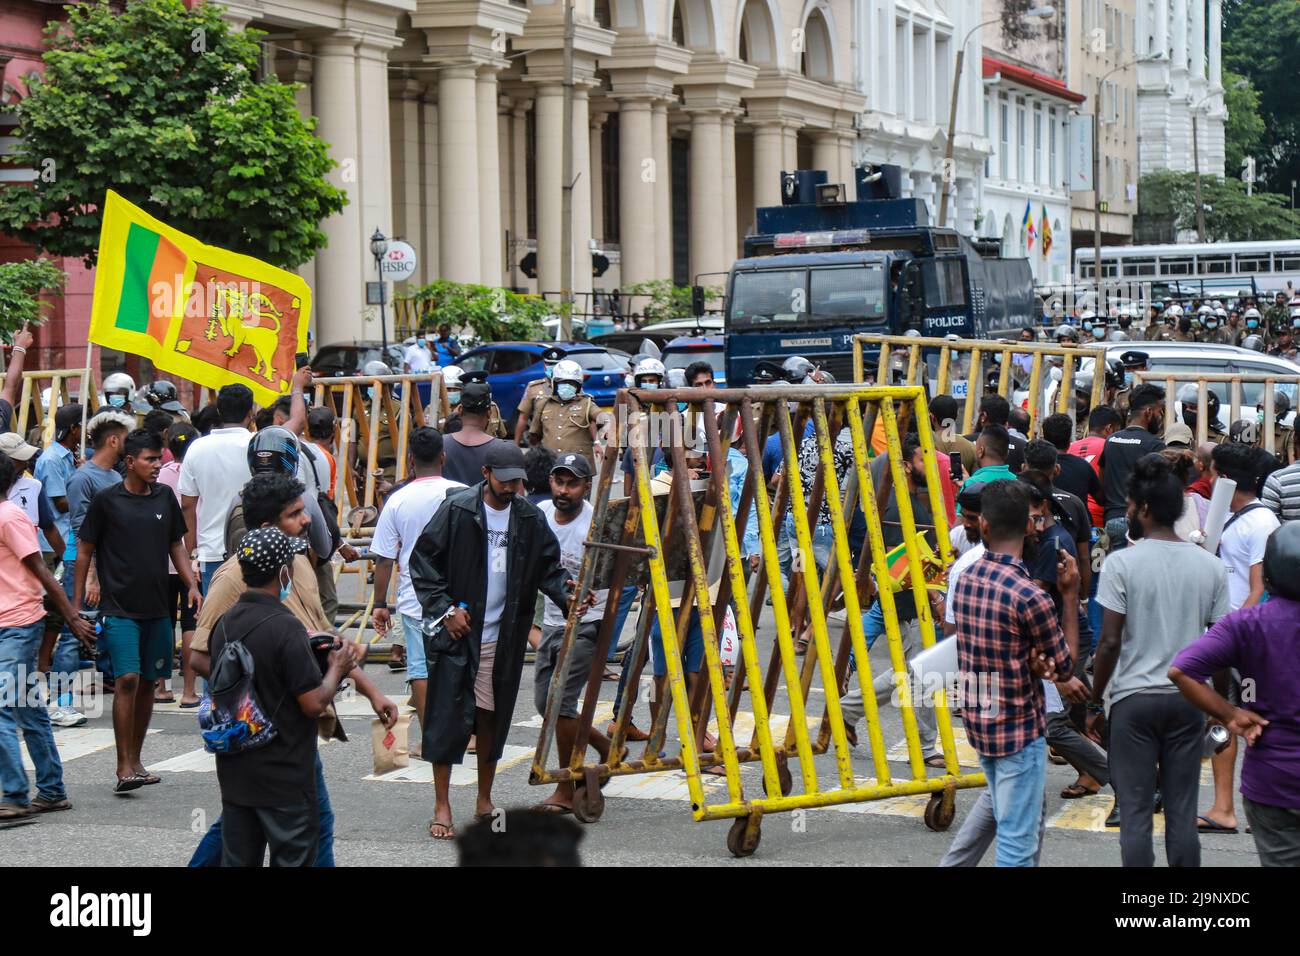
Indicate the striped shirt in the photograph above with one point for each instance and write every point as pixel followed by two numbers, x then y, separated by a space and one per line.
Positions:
pixel 1001 617
pixel 1282 493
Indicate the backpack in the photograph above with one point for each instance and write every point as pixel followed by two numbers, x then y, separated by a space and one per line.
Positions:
pixel 231 718
pixel 328 509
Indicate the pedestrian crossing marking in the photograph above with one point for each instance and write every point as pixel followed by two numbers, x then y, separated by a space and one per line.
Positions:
pixel 604 714
pixel 462 775
pixel 195 761
pixel 1089 813
pixel 660 785
pixel 74 742
pixel 966 755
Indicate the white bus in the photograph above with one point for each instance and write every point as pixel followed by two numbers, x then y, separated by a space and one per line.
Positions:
pixel 1273 266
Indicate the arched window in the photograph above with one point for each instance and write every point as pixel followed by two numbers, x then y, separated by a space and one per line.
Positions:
pixel 816 61
pixel 757 42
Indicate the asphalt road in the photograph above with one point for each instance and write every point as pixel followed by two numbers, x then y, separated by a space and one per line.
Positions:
pixel 647 819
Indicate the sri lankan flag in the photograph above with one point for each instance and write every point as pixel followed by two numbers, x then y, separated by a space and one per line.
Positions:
pixel 1046 233
pixel 212 316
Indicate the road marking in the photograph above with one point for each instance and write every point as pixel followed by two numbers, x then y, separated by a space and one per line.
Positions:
pixel 462 775
pixel 196 761
pixel 966 755
pixel 75 742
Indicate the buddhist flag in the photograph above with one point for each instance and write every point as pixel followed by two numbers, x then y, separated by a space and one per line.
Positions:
pixel 1046 234
pixel 209 315
pixel 1028 223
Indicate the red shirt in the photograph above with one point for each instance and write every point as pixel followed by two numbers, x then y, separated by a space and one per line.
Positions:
pixel 1089 449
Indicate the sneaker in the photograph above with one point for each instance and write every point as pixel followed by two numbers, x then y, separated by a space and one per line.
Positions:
pixel 67 717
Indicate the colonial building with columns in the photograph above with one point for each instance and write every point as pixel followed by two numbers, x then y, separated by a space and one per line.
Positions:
pixel 446 119
pixel 1189 80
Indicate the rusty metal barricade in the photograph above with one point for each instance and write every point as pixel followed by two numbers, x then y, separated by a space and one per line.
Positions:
pixel 31 398
pixel 979 357
pixel 1238 387
pixel 374 417
pixel 668 538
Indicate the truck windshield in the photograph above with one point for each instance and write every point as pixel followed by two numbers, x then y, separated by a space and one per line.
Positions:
pixel 786 296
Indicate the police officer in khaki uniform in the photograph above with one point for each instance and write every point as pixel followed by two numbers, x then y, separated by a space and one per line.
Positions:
pixel 1163 331
pixel 1187 397
pixel 566 420
pixel 1216 330
pixel 534 392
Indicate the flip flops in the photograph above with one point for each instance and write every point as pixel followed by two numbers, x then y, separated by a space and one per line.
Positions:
pixel 127 784
pixel 449 832
pixel 1205 825
pixel 1076 791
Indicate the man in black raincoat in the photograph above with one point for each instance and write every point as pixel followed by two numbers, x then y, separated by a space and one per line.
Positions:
pixel 491 551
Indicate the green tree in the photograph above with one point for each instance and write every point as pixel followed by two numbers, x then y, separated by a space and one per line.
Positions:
pixel 21 284
pixel 495 315
pixel 163 105
pixel 658 300
pixel 1230 215
pixel 1261 41
pixel 1244 130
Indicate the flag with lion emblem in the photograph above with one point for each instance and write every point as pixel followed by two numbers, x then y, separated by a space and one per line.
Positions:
pixel 206 314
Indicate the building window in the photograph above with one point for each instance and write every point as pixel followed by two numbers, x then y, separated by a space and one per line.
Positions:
pixel 1052 179
pixel 609 179
pixel 1004 154
pixel 988 160
pixel 1022 168
pixel 530 169
pixel 1038 145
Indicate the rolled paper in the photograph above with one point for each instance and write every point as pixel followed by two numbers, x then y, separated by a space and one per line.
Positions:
pixel 1217 516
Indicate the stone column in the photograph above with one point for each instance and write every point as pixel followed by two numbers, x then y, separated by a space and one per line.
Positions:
pixel 505 185
pixel 707 235
pixel 458 179
pixel 730 227
pixel 491 237
pixel 581 200
pixel 519 145
pixel 598 177
pixel 768 162
pixel 1216 44
pixel 430 264
pixel 408 201
pixel 341 265
pixel 374 139
pixel 1180 34
pixel 1161 27
pixel 638 173
pixel 789 147
pixel 847 142
pixel 663 196
pixel 826 155
pixel 548 161
pixel 1197 58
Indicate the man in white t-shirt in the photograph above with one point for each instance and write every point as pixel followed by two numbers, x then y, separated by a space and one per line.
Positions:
pixel 406 513
pixel 1241 548
pixel 418 357
pixel 569 515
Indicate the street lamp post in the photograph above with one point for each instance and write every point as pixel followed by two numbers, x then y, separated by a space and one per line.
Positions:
pixel 1096 166
pixel 378 246
pixel 1035 13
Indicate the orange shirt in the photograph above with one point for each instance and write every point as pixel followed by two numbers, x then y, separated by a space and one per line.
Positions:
pixel 22 591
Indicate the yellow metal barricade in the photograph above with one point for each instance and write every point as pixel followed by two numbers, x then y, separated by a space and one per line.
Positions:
pixel 374 418
pixel 970 361
pixel 1244 396
pixel 670 538
pixel 31 398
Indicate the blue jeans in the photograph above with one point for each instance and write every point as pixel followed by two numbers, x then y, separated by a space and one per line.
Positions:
pixel 208 852
pixel 1094 612
pixel 417 665
pixel 21 709
pixel 1018 785
pixel 625 600
pixel 206 570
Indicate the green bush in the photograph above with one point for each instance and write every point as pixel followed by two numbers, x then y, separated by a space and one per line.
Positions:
pixel 494 314
pixel 21 284
pixel 659 300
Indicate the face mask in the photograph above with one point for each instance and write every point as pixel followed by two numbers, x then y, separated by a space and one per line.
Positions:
pixel 1295 323
pixel 117 400
pixel 1128 379
pixel 1211 324
pixel 649 385
pixel 1087 326
pixel 1125 322
pixel 682 406
pixel 1098 331
pixel 1252 324
pixel 1259 416
pixel 566 391
pixel 550 370
pixel 453 398
pixel 286 584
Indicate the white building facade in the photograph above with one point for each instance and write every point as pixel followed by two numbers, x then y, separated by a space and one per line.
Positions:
pixel 1189 79
pixel 906 53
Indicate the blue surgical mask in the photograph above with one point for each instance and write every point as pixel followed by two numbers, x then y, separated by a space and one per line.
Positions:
pixel 682 406
pixel 550 370
pixel 1210 323
pixel 453 398
pixel 117 400
pixel 566 391
pixel 649 385
pixel 286 586
pixel 1128 379
pixel 1252 323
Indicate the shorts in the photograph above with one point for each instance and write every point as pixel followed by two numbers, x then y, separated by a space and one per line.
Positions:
pixel 53 619
pixel 692 648
pixel 141 647
pixel 417 665
pixel 579 666
pixel 483 698
pixel 188 618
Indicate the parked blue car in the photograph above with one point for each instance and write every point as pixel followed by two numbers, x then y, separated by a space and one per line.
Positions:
pixel 685 349
pixel 512 365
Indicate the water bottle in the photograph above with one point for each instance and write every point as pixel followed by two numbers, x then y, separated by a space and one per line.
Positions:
pixel 430 627
pixel 1217 739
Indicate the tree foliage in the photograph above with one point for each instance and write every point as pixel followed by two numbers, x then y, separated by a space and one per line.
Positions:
pixel 1230 215
pixel 1261 41
pixel 163 105
pixel 1244 130
pixel 658 300
pixel 495 315
pixel 21 284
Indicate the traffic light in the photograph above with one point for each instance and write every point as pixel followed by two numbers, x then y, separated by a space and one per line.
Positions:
pixel 697 300
pixel 528 265
pixel 599 264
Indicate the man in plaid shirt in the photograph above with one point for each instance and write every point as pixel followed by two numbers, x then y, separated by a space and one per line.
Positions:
pixel 1005 624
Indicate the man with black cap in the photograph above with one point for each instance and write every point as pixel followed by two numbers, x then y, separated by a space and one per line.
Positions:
pixel 495 427
pixel 54 469
pixel 568 514
pixel 465 449
pixel 268 794
pixel 476 571
pixel 538 387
